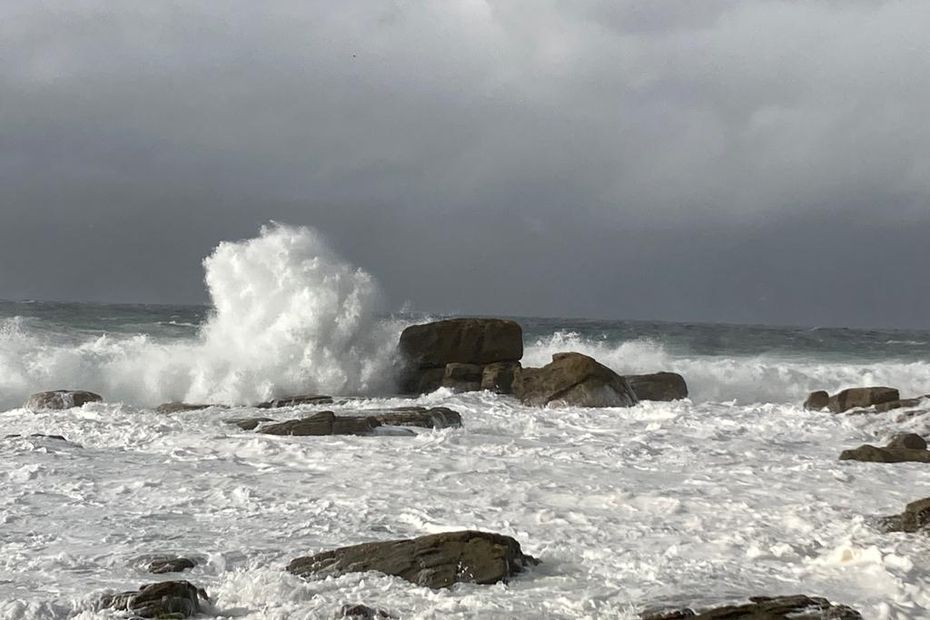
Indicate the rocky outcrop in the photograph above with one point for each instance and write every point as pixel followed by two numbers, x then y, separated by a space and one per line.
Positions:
pixel 817 401
pixel 663 386
pixel 916 517
pixel 355 422
pixel 248 424
pixel 176 407
pixel 860 398
pixel 323 423
pixel 165 599
pixel 573 379
pixel 293 401
pixel 498 377
pixel 434 417
pixel 434 561
pixel 160 565
pixel 453 353
pixel 798 607
pixel 362 612
pixel 901 449
pixel 37 436
pixel 61 399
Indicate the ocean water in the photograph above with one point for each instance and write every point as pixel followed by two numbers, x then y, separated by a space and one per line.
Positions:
pixel 732 493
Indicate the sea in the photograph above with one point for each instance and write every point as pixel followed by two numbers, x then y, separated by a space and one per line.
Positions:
pixel 734 492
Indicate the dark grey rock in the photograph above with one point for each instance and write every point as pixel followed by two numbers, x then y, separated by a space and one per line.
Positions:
pixel 165 599
pixel 857 398
pixel 462 377
pixel 293 401
pixel 916 517
pixel 466 341
pixel 434 417
pixel 61 399
pixel 248 424
pixel 664 386
pixel 38 435
pixel 573 379
pixel 874 454
pixel 797 607
pixel 817 401
pixel 160 565
pixel 323 423
pixel 434 561
pixel 362 612
pixel 498 377
pixel 181 407
pixel 911 441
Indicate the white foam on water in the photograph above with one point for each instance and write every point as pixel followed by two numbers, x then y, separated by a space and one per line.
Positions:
pixel 748 380
pixel 289 316
pixel 662 503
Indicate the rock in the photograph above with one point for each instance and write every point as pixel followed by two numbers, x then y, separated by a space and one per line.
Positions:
pixel 435 417
pixel 573 379
pixel 434 561
pixel 38 435
pixel 856 398
pixel 466 341
pixel 422 381
pixel 169 564
pixel 874 454
pixel 293 401
pixel 323 423
pixel 911 441
pixel 498 377
pixel 181 407
pixel 817 401
pixel 248 424
pixel 798 607
pixel 165 599
pixel 897 404
pixel 664 386
pixel 362 612
pixel 916 516
pixel 61 399
pixel 462 377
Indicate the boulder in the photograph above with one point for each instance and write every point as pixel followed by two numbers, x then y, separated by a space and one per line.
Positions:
pixel 176 407
pixel 874 454
pixel 466 341
pixel 462 377
pixel 664 386
pixel 434 417
pixel 323 423
pixel 165 599
pixel 248 424
pixel 898 404
pixel 362 612
pixel 422 380
pixel 857 398
pixel 160 565
pixel 498 377
pixel 916 516
pixel 293 401
pixel 61 399
pixel 817 401
pixel 573 379
pixel 434 561
pixel 911 441
pixel 797 607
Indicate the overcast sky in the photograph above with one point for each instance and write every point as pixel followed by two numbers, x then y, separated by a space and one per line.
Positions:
pixel 746 161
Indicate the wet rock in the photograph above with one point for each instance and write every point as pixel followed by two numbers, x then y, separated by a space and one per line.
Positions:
pixel 38 435
pixel 664 386
pixel 323 423
pixel 858 398
pixel 293 401
pixel 61 399
pixel 798 607
pixel 160 565
pixel 916 517
pixel 911 441
pixel 362 612
pixel 573 379
pixel 498 377
pixel 181 407
pixel 817 401
pixel 434 417
pixel 462 377
pixel 898 404
pixel 165 599
pixel 874 454
pixel 248 424
pixel 434 561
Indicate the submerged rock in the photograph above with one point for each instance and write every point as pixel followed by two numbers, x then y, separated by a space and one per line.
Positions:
pixel 248 424
pixel 797 607
pixel 817 401
pixel 323 423
pixel 165 599
pixel 434 417
pixel 177 407
pixel 874 454
pixel 293 401
pixel 858 398
pixel 498 377
pixel 160 565
pixel 911 441
pixel 61 399
pixel 38 436
pixel 573 379
pixel 434 561
pixel 362 612
pixel 663 386
pixel 916 517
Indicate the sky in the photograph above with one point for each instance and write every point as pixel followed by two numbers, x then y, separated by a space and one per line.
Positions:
pixel 753 161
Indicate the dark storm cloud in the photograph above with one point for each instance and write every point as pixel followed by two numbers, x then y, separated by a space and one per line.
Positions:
pixel 749 161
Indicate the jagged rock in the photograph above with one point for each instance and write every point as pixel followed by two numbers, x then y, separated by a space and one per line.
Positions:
pixel 323 423
pixel 874 454
pixel 857 398
pixel 797 607
pixel 165 599
pixel 498 377
pixel 911 441
pixel 434 417
pixel 466 341
pixel 160 565
pixel 916 516
pixel 664 386
pixel 293 401
pixel 61 399
pixel 817 401
pixel 248 424
pixel 41 435
pixel 462 377
pixel 434 561
pixel 181 407
pixel 573 379
pixel 362 612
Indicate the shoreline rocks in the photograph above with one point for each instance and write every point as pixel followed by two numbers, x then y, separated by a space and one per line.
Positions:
pixel 901 449
pixel 659 386
pixel 877 399
pixel 434 561
pixel 916 517
pixel 60 399
pixel 159 565
pixel 794 607
pixel 163 599
pixel 573 379
pixel 354 423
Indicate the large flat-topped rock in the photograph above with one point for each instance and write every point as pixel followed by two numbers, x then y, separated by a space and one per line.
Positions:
pixel 464 341
pixel 61 399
